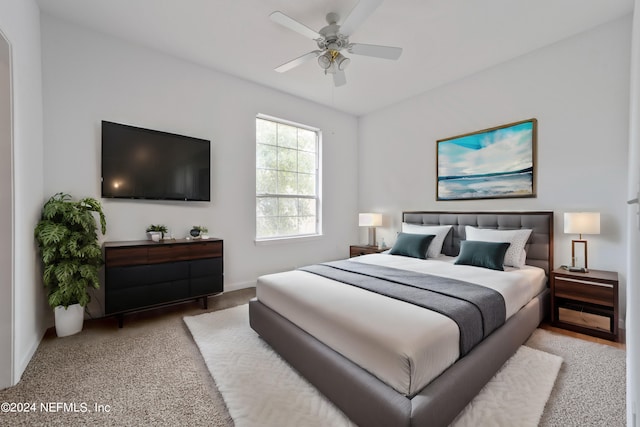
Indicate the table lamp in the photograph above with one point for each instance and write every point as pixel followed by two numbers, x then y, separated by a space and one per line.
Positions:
pixel 371 220
pixel 581 223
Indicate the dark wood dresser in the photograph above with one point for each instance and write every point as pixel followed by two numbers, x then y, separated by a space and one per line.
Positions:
pixel 144 274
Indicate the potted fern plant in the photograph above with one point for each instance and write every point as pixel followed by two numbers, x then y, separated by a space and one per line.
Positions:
pixel 71 257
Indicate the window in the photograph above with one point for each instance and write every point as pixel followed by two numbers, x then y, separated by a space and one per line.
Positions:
pixel 287 177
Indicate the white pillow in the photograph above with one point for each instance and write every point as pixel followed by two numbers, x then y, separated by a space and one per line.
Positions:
pixel 439 231
pixel 516 255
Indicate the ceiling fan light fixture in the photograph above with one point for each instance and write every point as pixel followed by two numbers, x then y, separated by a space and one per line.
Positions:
pixel 342 61
pixel 325 60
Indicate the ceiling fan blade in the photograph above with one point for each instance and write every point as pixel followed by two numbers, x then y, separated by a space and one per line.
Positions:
pixel 358 14
pixel 339 78
pixel 298 61
pixel 385 52
pixel 294 25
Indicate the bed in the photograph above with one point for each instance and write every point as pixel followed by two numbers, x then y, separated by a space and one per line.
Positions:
pixel 371 385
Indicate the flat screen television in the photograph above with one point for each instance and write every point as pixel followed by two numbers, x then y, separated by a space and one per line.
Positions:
pixel 142 163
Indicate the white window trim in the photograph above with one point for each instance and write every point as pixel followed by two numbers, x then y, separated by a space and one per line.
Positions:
pixel 287 239
pixel 298 237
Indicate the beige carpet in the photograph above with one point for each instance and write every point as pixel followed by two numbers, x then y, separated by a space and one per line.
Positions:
pixel 148 373
pixel 591 386
pixel 261 390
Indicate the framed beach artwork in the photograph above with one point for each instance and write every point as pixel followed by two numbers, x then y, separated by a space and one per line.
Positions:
pixel 488 164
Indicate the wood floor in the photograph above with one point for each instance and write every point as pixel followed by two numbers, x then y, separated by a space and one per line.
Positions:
pixel 561 331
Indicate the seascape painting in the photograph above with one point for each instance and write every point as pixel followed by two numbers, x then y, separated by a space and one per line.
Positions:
pixel 488 164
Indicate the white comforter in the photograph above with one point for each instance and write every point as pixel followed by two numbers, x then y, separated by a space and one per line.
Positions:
pixel 404 345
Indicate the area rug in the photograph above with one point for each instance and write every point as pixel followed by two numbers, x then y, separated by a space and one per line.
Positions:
pixel 261 389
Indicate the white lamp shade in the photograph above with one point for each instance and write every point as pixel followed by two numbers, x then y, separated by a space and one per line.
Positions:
pixel 582 222
pixel 370 220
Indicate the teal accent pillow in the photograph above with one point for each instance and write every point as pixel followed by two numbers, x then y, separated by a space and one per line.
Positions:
pixel 483 254
pixel 412 245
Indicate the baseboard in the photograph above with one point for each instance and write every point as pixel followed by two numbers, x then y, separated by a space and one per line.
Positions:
pixel 22 366
pixel 228 287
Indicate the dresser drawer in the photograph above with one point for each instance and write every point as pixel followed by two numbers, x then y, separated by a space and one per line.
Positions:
pixel 160 254
pixel 205 250
pixel 116 257
pixel 584 290
pixel 142 275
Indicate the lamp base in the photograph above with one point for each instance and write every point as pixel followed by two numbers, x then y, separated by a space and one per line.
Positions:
pixel 372 236
pixel 577 260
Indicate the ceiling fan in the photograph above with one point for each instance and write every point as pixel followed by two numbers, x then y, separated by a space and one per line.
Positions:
pixel 333 39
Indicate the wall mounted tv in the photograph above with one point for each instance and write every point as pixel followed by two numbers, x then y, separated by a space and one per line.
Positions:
pixel 142 163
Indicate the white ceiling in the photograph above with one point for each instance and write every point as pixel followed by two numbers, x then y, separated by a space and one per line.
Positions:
pixel 443 40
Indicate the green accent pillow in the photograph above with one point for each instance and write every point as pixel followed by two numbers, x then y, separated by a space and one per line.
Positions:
pixel 483 254
pixel 412 245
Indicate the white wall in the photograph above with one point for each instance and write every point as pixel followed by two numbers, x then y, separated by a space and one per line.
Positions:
pixel 89 77
pixel 19 22
pixel 6 216
pixel 633 225
pixel 577 89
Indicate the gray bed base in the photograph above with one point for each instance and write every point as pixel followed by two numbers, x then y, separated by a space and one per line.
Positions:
pixel 369 402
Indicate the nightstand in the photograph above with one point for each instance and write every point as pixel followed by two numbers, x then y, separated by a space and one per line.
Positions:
pixel 585 302
pixel 357 250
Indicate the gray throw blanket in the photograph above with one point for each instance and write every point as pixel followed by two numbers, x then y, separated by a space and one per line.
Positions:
pixel 477 310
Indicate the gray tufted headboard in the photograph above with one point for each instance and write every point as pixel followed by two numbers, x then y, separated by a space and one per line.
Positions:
pixel 539 247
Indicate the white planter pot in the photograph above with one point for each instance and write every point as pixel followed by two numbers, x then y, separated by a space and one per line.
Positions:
pixel 69 321
pixel 156 236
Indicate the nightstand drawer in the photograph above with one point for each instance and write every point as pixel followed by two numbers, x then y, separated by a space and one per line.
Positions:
pixel 584 290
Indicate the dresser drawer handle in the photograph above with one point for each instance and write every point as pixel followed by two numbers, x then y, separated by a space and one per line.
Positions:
pixel 585 282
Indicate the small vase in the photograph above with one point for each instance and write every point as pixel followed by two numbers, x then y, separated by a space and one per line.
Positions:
pixel 156 236
pixel 194 232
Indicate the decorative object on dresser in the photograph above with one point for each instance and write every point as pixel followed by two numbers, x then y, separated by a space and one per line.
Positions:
pixel 156 232
pixel 198 231
pixel 371 220
pixel 585 302
pixel 146 274
pixel 489 164
pixel 581 223
pixel 71 255
pixel 357 250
